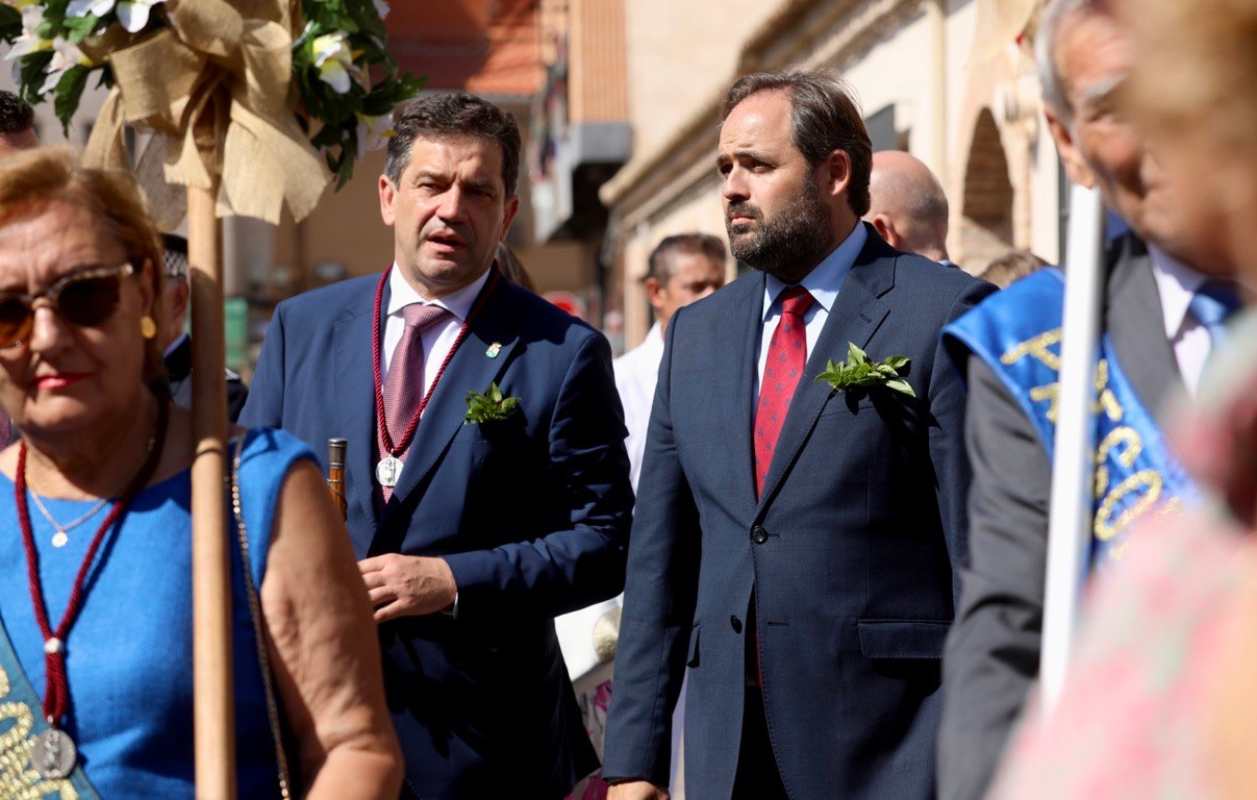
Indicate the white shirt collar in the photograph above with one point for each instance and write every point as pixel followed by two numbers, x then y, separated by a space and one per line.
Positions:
pixel 1176 284
pixel 402 294
pixel 654 336
pixel 823 282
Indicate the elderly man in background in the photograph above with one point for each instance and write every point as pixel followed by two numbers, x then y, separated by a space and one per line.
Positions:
pixel 908 206
pixel 17 124
pixel 1161 320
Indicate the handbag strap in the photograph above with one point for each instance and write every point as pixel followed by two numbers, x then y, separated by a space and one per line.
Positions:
pixel 255 614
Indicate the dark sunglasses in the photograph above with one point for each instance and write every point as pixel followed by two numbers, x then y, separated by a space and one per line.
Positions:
pixel 85 299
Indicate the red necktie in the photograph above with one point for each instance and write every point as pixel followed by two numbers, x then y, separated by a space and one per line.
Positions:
pixel 403 386
pixel 787 355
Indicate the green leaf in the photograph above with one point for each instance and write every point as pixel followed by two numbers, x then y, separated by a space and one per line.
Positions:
pixel 897 362
pixel 855 354
pixel 31 74
pixel 66 95
pixel 901 386
pixel 79 28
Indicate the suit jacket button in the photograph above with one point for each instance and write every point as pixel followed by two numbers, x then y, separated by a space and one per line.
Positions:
pixel 735 623
pixel 758 534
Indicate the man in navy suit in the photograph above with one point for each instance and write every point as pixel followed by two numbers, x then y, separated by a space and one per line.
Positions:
pixel 795 545
pixel 476 522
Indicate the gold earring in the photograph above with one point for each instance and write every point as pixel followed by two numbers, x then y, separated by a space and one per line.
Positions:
pixel 148 328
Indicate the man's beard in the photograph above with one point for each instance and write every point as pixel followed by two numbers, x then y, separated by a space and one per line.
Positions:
pixel 790 244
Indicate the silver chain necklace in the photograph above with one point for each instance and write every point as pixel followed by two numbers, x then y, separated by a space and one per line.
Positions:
pixel 61 537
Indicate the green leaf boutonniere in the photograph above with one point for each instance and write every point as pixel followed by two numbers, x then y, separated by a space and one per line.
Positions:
pixel 857 372
pixel 490 406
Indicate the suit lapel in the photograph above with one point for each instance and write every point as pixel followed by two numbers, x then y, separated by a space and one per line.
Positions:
pixel 856 314
pixel 471 369
pixel 1136 328
pixel 355 416
pixel 743 391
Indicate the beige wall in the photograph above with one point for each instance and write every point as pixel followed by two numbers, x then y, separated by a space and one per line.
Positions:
pixel 679 53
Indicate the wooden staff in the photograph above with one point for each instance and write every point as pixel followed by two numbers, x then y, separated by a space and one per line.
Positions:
pixel 336 474
pixel 211 571
pixel 1069 525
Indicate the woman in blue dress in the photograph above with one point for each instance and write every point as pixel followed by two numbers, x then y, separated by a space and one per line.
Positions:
pixel 95 536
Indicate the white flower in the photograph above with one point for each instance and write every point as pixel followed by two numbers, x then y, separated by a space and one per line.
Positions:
pixel 133 14
pixel 335 60
pixel 381 8
pixel 21 4
pixel 81 8
pixel 67 55
pixel 30 41
pixel 374 132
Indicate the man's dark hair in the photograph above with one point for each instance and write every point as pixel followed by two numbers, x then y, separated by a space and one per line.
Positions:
pixel 16 115
pixel 176 252
pixel 824 118
pixel 692 243
pixel 450 115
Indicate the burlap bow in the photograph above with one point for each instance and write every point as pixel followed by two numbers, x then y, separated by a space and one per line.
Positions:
pixel 215 89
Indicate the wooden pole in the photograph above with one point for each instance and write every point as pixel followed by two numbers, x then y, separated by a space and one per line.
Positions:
pixel 211 567
pixel 1069 527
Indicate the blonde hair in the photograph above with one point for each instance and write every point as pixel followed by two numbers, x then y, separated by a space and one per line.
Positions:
pixel 32 180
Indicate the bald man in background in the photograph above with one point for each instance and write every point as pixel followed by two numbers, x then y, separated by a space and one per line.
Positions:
pixel 908 206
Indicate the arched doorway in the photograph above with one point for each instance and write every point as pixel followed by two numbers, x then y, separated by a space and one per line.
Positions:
pixel 987 203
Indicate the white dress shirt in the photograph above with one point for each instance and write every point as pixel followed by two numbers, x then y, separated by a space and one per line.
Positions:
pixel 1177 284
pixel 823 283
pixel 437 339
pixel 636 373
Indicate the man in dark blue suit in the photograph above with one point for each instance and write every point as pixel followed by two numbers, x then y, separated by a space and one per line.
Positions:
pixel 794 545
pixel 476 519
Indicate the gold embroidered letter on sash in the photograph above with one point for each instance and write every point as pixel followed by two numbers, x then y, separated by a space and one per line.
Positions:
pixel 17 780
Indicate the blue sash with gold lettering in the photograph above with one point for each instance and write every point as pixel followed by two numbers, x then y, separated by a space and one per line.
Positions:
pixel 1017 332
pixel 21 720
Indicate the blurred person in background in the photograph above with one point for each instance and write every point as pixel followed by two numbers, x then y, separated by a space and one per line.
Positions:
pixel 173 337
pixel 1162 689
pixel 908 206
pixel 95 554
pixel 1158 318
pixel 512 268
pixel 1011 267
pixel 17 124
pixel 17 133
pixel 682 268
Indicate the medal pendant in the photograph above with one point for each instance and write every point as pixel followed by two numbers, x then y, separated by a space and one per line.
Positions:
pixel 60 539
pixel 53 754
pixel 388 471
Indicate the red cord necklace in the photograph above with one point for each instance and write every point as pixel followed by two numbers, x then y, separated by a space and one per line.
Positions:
pixel 388 470
pixel 53 755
